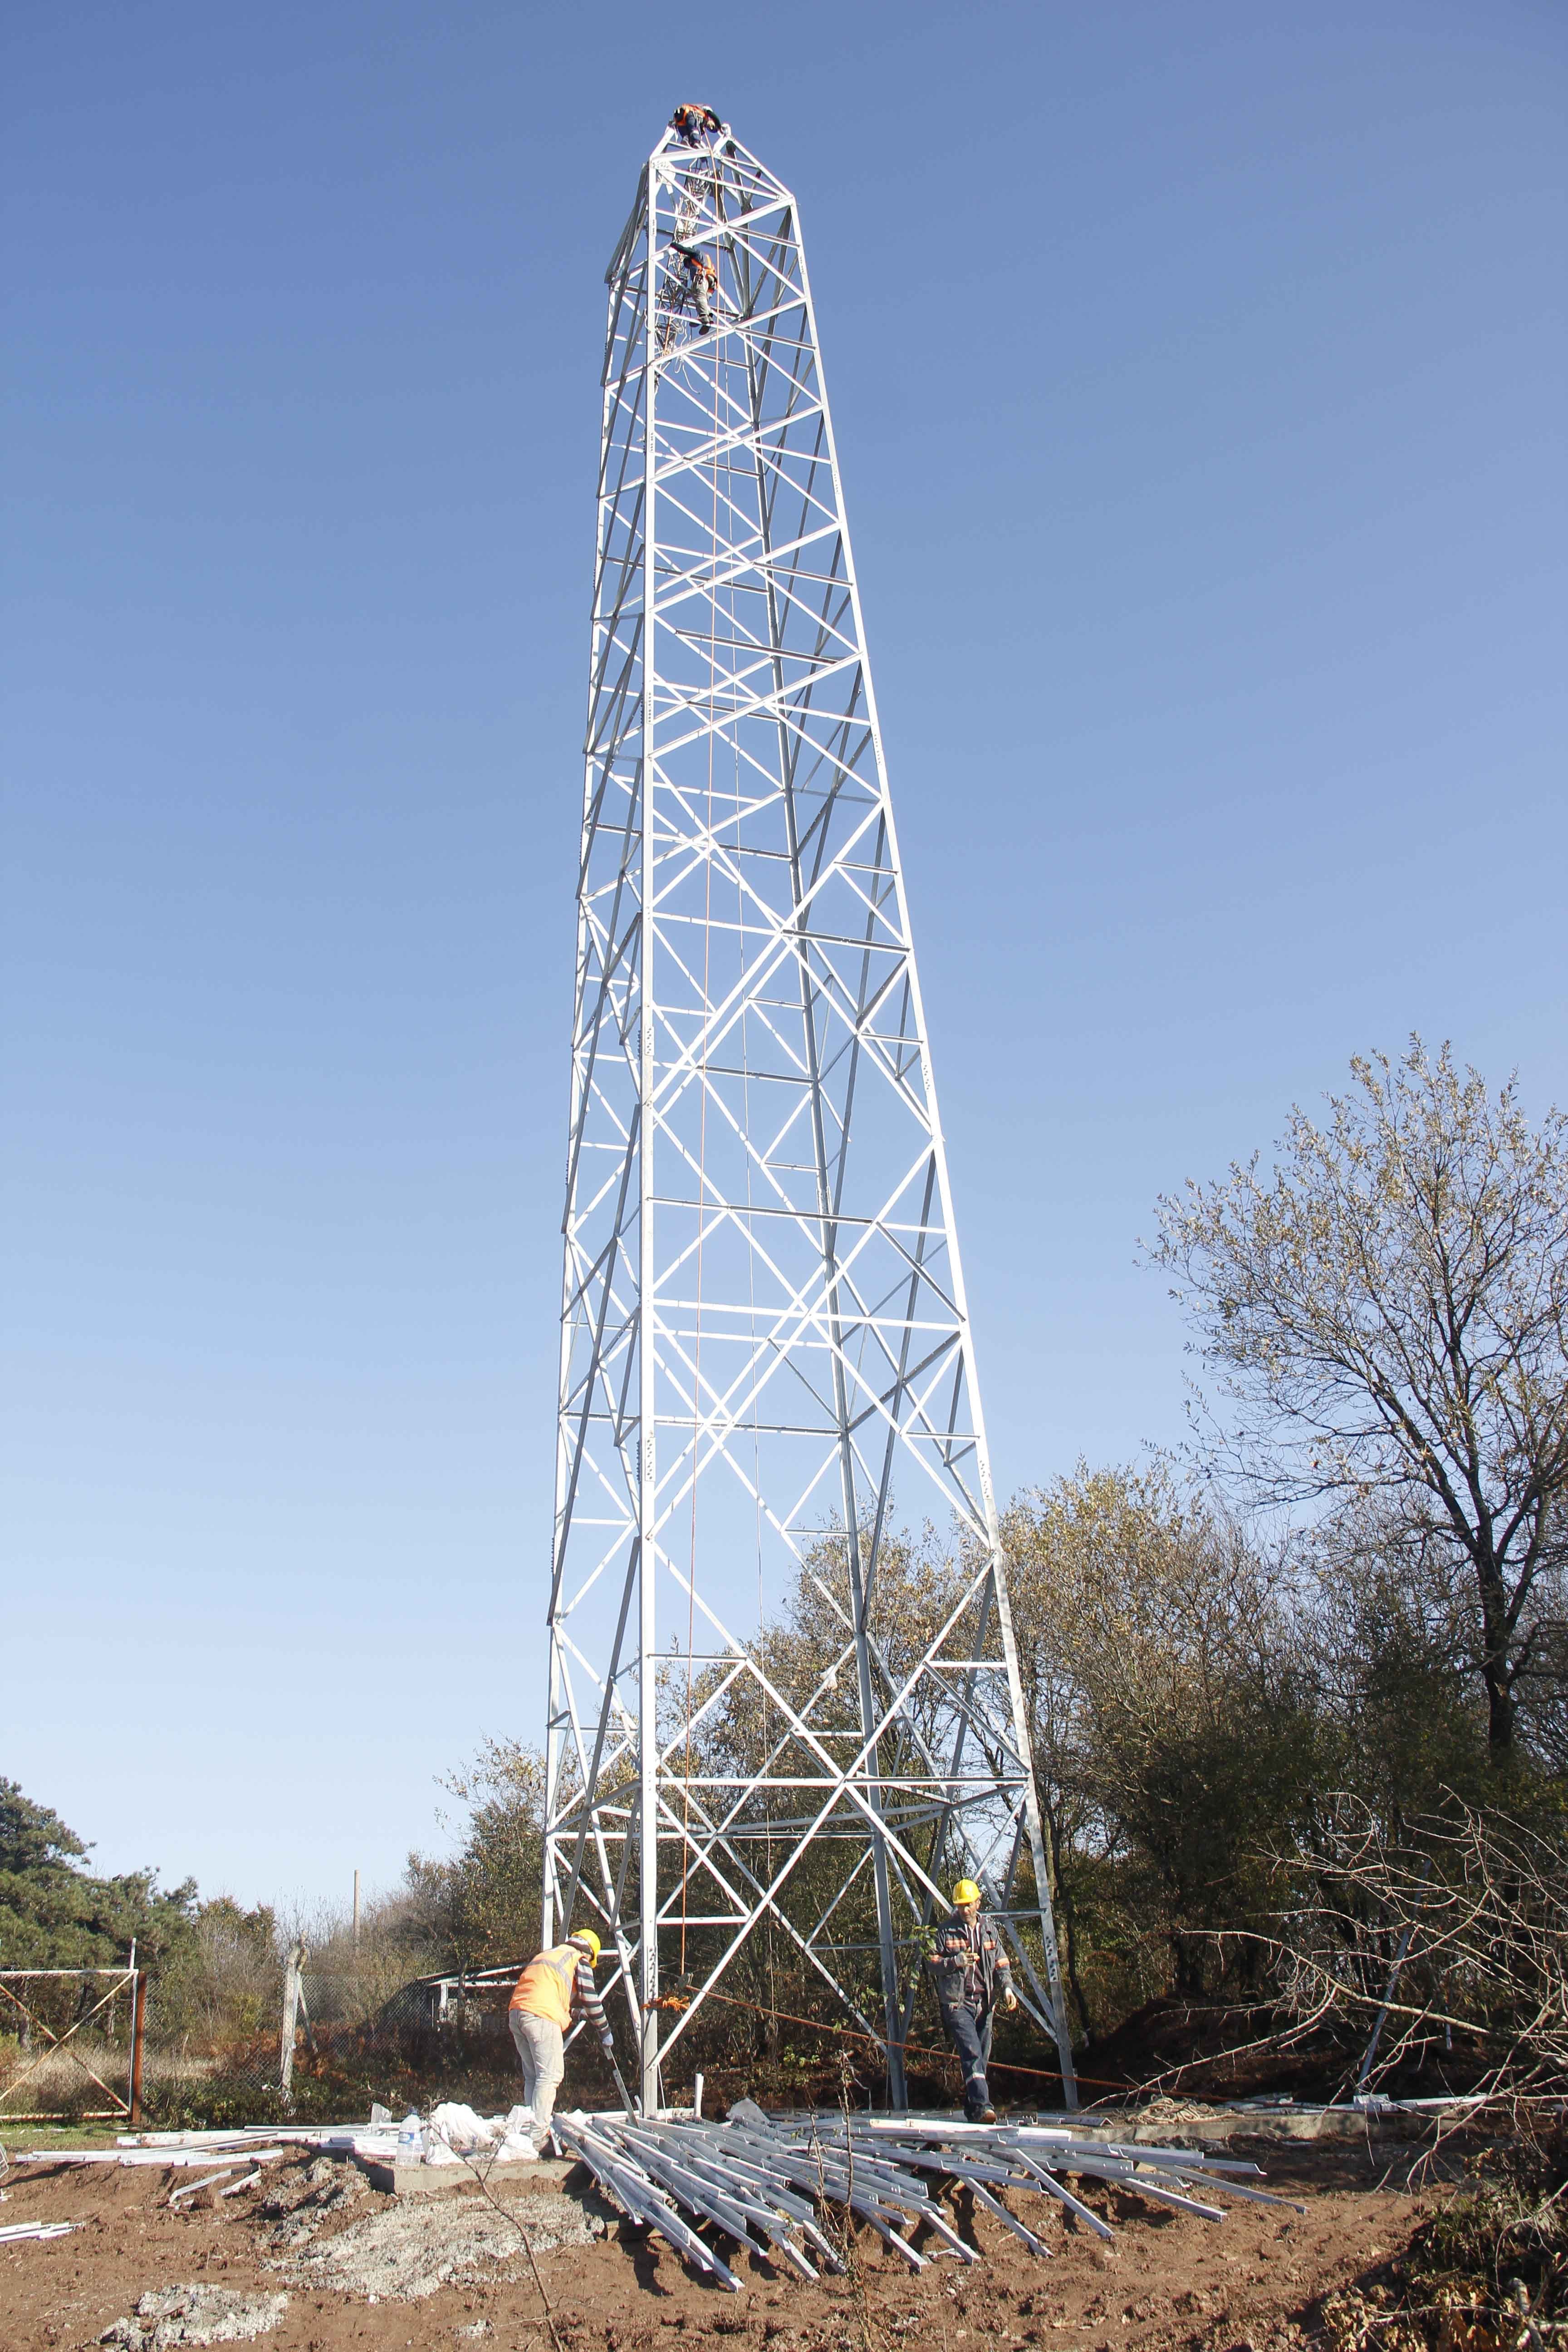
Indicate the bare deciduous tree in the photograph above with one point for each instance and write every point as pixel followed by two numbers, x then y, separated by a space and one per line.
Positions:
pixel 1455 1923
pixel 1388 1314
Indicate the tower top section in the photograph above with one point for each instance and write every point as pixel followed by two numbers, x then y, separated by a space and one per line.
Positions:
pixel 713 176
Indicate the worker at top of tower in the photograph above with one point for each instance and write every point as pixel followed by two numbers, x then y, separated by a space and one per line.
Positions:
pixel 969 1970
pixel 701 282
pixel 692 123
pixel 551 1987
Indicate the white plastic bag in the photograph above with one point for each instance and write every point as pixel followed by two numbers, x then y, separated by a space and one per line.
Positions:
pixel 460 2128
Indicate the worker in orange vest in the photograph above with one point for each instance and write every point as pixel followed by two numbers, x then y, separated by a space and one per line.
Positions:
pixel 701 282
pixel 692 122
pixel 553 1984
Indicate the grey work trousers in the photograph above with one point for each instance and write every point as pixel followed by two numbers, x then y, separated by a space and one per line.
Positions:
pixel 969 2031
pixel 540 2055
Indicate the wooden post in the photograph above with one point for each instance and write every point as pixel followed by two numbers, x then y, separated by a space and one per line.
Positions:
pixel 138 2038
pixel 298 1955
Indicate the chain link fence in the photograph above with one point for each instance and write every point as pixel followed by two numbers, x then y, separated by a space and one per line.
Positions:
pixel 353 2043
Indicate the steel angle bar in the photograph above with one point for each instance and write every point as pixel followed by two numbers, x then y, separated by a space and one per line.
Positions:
pixel 1189 2160
pixel 1255 2196
pixel 117 1970
pixel 1057 2189
pixel 720 2185
pixel 981 2177
pixel 1146 2187
pixel 679 2180
pixel 798 2208
pixel 1134 2178
pixel 890 2197
pixel 993 2205
pixel 1196 2160
pixel 194 2187
pixel 857 2186
pixel 638 2197
pixel 701 2148
pixel 1183 2159
pixel 948 2160
pixel 805 2161
pixel 844 2155
pixel 910 2196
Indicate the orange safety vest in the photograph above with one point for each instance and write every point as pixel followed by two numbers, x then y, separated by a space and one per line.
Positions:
pixel 545 1988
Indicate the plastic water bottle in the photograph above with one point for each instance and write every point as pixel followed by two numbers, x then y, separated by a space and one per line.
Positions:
pixel 410 2138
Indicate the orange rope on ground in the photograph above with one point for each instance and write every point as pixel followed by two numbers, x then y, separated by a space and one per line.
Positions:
pixel 851 2033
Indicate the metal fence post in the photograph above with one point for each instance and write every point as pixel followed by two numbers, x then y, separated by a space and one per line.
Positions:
pixel 138 2042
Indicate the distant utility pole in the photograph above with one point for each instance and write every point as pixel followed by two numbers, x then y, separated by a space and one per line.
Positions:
pixel 765 1349
pixel 357 1910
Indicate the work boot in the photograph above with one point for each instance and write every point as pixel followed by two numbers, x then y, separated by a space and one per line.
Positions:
pixel 986 2115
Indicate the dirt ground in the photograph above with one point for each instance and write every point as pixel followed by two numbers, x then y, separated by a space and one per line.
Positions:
pixel 361 2268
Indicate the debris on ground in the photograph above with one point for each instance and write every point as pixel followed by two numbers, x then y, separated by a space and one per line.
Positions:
pixel 760 2181
pixel 1170 2282
pixel 406 2253
pixel 172 2316
pixel 298 2205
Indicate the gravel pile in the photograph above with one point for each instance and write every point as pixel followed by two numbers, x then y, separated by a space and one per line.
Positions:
pixel 173 2316
pixel 301 2204
pixel 407 2251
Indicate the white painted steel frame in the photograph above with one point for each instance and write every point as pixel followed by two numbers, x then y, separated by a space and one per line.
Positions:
pixel 764 1346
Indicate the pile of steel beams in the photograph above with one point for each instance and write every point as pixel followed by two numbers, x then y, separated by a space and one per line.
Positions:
pixel 768 2183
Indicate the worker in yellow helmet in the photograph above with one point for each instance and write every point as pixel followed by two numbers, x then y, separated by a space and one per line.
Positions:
pixel 551 1987
pixel 970 1972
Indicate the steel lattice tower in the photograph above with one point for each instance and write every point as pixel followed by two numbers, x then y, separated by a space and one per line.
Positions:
pixel 765 1348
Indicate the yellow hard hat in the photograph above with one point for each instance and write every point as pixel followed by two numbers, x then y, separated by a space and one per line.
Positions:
pixel 586 1936
pixel 966 1891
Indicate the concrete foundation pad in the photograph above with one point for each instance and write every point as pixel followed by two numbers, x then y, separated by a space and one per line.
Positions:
pixel 415 2180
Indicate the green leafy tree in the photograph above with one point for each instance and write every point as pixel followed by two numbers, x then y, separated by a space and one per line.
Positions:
pixel 55 1913
pixel 1174 1723
pixel 482 1907
pixel 1390 1631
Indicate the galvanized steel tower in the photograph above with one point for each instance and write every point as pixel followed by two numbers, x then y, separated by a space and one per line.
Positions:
pixel 765 1350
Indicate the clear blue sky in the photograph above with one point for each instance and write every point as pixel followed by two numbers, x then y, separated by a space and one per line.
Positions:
pixel 1198 373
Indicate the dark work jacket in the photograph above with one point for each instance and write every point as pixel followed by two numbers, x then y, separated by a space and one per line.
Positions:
pixel 952 1960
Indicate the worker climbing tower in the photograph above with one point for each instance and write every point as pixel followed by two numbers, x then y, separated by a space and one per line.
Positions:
pixel 772 1730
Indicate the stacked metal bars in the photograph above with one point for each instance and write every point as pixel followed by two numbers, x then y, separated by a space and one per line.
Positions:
pixel 761 2185
pixel 765 1347
pixel 179 2160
